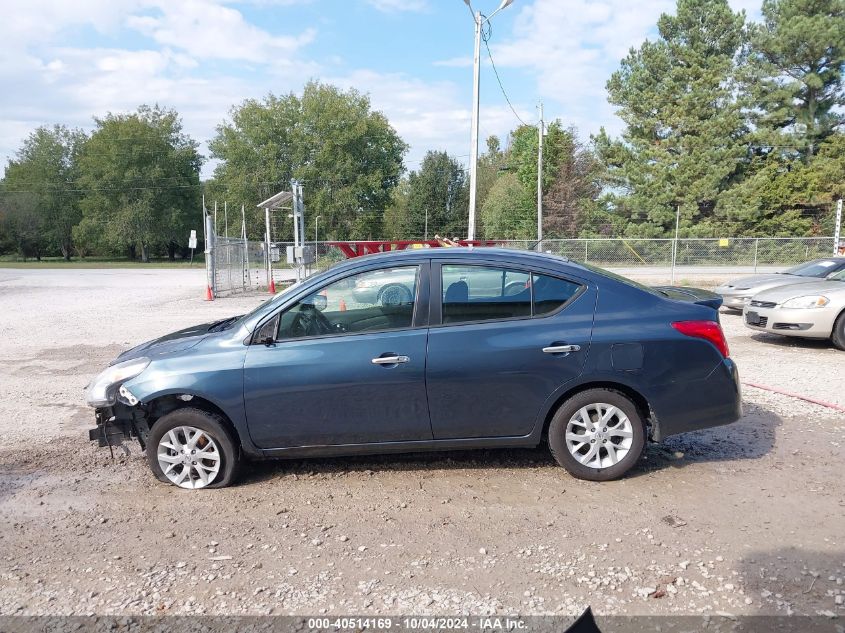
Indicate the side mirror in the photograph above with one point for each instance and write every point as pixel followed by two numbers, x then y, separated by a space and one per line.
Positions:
pixel 266 334
pixel 320 302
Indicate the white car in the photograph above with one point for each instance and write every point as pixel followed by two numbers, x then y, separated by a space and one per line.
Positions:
pixel 738 292
pixel 808 310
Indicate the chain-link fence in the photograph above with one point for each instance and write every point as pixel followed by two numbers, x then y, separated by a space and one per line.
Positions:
pixel 241 265
pixel 742 251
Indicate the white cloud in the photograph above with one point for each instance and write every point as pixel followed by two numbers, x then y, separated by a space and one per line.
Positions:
pixel 186 62
pixel 571 48
pixel 393 6
pixel 207 30
pixel 48 83
pixel 429 115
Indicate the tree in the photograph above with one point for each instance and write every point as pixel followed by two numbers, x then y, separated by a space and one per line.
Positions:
pixel 46 168
pixel 571 183
pixel 490 166
pixel 784 196
pixel 684 141
pixel 438 197
pixel 510 211
pixel 140 177
pixel 796 60
pixel 397 216
pixel 348 157
pixel 22 224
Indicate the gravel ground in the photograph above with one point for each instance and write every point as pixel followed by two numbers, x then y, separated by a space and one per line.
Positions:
pixel 745 519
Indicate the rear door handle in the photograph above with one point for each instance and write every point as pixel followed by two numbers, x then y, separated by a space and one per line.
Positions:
pixel 561 349
pixel 390 360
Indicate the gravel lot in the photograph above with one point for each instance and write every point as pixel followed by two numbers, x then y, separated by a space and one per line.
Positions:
pixel 746 519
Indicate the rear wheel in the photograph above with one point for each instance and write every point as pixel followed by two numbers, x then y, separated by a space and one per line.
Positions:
pixel 597 435
pixel 192 449
pixel 838 335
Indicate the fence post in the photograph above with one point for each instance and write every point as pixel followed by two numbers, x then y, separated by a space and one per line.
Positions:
pixel 756 242
pixel 211 277
pixel 586 242
pixel 271 285
pixel 675 244
pixel 245 263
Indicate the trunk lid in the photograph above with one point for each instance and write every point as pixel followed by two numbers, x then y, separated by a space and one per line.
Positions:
pixel 692 295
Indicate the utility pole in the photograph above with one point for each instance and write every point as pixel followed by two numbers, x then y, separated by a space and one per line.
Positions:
pixel 473 147
pixel 675 244
pixel 540 182
pixel 838 227
pixel 476 81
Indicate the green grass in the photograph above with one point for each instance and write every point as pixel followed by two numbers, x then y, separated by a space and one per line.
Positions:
pixel 97 262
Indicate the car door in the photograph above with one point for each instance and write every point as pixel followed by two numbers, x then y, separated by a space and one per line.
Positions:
pixel 496 355
pixel 343 365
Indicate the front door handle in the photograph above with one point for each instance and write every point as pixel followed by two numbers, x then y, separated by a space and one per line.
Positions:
pixel 390 360
pixel 561 349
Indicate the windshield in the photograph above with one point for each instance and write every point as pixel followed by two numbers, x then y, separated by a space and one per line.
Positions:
pixel 815 268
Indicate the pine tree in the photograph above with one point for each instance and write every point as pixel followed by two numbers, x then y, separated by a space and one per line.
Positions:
pixel 797 57
pixel 684 139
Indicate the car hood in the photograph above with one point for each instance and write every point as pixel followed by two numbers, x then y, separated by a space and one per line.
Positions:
pixel 167 344
pixel 766 281
pixel 784 293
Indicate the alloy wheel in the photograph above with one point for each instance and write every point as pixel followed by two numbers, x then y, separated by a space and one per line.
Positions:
pixel 189 457
pixel 599 435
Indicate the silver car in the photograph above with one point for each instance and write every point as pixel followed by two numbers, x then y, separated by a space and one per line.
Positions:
pixel 739 292
pixel 809 310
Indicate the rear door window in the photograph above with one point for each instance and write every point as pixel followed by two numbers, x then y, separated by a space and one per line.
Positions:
pixel 482 293
pixel 486 293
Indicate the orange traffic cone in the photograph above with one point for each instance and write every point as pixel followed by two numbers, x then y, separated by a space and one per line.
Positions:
pixel 209 296
pixel 272 286
pixel 342 305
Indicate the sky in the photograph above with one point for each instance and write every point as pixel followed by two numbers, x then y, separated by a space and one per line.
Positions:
pixel 64 61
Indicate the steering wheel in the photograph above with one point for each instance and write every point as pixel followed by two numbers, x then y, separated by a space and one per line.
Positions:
pixel 310 322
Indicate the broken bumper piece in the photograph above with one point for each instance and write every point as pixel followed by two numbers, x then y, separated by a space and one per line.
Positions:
pixel 119 423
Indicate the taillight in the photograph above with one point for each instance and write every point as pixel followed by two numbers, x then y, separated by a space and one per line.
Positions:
pixel 708 330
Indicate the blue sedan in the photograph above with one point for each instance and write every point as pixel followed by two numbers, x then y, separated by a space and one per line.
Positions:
pixel 487 348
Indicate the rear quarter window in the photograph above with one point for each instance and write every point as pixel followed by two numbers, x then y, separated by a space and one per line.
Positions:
pixel 550 293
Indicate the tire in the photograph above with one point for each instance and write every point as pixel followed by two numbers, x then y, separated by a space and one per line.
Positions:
pixel 215 441
pixel 624 423
pixel 837 337
pixel 394 295
pixel 514 288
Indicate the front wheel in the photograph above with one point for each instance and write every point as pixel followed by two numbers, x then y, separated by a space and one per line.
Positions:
pixel 192 449
pixel 597 435
pixel 838 335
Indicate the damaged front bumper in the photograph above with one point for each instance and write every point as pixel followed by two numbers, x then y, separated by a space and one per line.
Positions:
pixel 120 422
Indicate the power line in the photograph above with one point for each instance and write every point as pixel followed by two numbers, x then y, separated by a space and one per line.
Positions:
pixel 486 37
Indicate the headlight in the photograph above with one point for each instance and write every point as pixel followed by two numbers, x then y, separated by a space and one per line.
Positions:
pixel 810 301
pixel 102 391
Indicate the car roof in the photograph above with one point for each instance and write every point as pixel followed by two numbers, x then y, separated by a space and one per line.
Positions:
pixel 470 254
pixel 461 252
